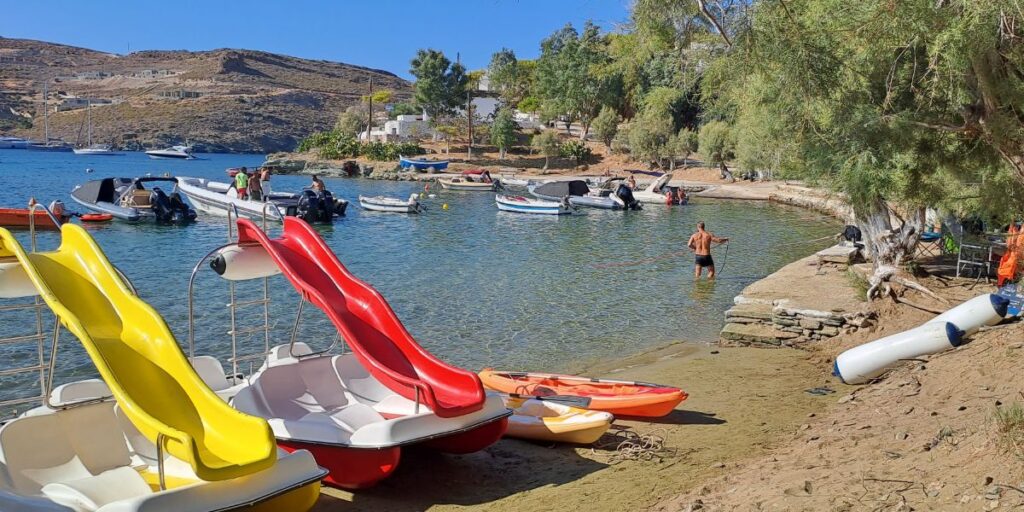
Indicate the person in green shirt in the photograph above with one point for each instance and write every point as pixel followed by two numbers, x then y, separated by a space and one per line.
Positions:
pixel 242 183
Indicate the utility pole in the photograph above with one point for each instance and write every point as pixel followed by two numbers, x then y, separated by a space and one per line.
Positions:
pixel 469 120
pixel 369 125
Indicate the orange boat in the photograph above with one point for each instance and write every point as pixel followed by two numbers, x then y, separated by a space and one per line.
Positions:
pixel 19 218
pixel 622 398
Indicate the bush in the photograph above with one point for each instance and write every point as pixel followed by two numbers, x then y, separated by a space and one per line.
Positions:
pixel 1010 427
pixel 716 142
pixel 606 126
pixel 576 150
pixel 332 145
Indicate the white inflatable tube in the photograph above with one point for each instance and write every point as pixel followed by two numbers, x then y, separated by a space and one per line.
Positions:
pixel 867 361
pixel 987 309
pixel 244 262
pixel 14 282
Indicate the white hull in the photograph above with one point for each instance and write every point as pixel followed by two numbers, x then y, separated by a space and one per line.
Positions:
pixel 97 152
pixel 533 206
pixel 461 184
pixel 333 400
pixel 216 198
pixel 984 310
pixel 865 362
pixel 175 152
pixel 389 204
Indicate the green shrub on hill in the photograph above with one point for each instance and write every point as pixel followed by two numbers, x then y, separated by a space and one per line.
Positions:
pixel 333 145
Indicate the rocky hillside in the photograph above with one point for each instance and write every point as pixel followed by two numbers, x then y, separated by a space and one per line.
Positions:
pixel 220 100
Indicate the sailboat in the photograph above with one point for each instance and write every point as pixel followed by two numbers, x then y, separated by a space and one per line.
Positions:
pixel 95 149
pixel 48 144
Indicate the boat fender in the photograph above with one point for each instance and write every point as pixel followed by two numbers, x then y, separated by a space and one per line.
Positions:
pixel 983 310
pixel 14 282
pixel 244 262
pixel 865 362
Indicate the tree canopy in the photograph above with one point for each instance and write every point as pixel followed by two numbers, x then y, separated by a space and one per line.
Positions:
pixel 440 85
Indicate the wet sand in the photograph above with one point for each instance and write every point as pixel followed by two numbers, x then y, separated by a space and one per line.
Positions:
pixel 742 402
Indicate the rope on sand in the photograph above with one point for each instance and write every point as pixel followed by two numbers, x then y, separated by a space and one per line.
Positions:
pixel 630 445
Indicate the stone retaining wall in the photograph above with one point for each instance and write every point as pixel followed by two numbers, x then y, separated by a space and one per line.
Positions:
pixel 774 324
pixel 818 200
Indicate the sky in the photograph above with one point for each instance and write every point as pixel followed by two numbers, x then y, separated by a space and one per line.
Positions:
pixel 382 34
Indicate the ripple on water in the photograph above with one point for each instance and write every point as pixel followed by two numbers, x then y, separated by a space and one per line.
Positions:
pixel 475 286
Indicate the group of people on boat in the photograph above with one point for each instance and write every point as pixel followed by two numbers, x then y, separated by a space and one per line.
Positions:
pixel 255 186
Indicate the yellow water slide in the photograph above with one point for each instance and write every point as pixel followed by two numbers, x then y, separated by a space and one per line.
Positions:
pixel 140 360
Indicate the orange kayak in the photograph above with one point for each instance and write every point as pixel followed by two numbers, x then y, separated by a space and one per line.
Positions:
pixel 619 397
pixel 19 218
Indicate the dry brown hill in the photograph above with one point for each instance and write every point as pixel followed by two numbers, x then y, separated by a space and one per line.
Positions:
pixel 220 100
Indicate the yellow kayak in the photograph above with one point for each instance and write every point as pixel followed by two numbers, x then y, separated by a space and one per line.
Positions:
pixel 548 420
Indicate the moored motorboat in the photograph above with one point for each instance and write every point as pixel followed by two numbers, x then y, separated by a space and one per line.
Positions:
pixel 422 164
pixel 655 191
pixel 129 199
pixel 520 204
pixel 218 198
pixel 541 419
pixel 179 152
pixel 390 204
pixel 619 397
pixel 23 218
pixel 466 183
pixel 611 195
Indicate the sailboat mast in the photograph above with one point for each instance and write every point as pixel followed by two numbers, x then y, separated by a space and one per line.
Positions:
pixel 88 115
pixel 46 118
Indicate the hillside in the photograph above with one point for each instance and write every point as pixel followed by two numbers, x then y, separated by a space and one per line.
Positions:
pixel 220 100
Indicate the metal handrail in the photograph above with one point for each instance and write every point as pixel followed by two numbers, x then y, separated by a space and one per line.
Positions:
pixel 295 329
pixel 32 220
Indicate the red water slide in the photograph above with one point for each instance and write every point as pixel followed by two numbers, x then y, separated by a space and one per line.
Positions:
pixel 366 321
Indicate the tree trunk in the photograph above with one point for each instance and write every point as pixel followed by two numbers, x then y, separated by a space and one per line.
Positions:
pixel 726 173
pixel 685 160
pixel 671 163
pixel 568 126
pixel 586 130
pixel 888 247
pixel 545 169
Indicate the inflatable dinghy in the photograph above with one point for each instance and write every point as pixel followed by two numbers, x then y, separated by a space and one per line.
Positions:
pixel 865 362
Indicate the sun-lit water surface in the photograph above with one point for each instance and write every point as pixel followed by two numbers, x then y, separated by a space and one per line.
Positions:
pixel 475 286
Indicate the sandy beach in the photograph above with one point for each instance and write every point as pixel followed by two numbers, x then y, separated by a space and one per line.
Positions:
pixel 743 401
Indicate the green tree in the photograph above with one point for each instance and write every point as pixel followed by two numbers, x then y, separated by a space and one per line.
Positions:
pixel 440 85
pixel 351 122
pixel 571 77
pixel 503 131
pixel 606 125
pixel 548 144
pixel 685 144
pixel 504 75
pixel 717 145
pixel 529 104
pixel 403 108
pixel 577 150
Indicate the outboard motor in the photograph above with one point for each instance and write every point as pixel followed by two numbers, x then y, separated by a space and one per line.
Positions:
pixel 326 206
pixel 309 206
pixel 625 194
pixel 182 212
pixel 161 206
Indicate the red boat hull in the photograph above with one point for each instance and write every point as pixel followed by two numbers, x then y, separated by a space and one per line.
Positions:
pixel 19 218
pixel 350 468
pixel 472 440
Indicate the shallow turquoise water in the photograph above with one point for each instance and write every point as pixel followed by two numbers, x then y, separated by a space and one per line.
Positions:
pixel 475 286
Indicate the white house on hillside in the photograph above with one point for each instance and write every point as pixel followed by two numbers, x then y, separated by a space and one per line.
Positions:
pixel 401 128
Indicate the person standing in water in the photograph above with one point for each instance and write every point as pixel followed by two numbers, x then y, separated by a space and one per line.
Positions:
pixel 700 243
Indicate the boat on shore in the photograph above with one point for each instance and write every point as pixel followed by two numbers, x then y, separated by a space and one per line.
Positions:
pixel 541 419
pixel 135 199
pixel 619 397
pixel 520 204
pixel 466 184
pixel 354 411
pixel 422 164
pixel 218 198
pixel 179 152
pixel 390 204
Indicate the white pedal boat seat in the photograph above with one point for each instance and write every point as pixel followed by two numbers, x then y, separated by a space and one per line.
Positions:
pixel 90 458
pixel 334 400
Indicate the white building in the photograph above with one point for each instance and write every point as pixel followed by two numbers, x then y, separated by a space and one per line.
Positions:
pixel 401 128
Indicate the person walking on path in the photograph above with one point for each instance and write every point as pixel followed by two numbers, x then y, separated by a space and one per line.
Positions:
pixel 700 243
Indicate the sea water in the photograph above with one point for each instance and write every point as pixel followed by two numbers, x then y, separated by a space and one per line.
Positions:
pixel 475 286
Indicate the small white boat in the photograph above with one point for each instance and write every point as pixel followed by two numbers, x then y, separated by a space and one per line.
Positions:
pixel 520 204
pixel 13 143
pixel 390 204
pixel 97 150
pixel 466 183
pixel 173 153
pixel 655 191
pixel 217 198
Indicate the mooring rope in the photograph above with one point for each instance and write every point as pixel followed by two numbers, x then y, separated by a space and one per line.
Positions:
pixel 630 445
